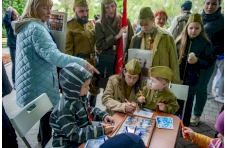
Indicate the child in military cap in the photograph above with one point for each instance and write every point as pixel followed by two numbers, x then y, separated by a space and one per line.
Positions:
pixel 195 55
pixel 157 93
pixel 122 85
pixel 158 41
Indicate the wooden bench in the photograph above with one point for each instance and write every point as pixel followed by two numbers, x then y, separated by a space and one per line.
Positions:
pixel 4 41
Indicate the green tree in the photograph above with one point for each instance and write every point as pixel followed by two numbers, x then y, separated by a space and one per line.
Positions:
pixel 16 4
pixel 65 6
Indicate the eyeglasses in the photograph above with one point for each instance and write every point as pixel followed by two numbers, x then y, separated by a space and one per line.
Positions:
pixel 130 78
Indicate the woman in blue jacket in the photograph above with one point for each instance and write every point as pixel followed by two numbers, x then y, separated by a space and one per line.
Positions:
pixel 36 59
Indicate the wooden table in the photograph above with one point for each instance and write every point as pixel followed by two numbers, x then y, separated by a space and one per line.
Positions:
pixel 165 138
pixel 161 138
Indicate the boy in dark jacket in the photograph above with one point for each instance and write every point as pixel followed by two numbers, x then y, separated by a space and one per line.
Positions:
pixel 71 117
pixel 11 15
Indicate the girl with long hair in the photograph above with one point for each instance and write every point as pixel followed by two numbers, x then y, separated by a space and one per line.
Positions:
pixel 195 53
pixel 108 31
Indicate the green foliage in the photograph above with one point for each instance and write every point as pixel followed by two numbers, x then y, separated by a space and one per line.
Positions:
pixel 16 4
pixel 4 33
pixel 172 7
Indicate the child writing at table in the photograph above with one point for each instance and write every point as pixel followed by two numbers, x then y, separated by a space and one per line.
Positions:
pixel 157 91
pixel 71 117
pixel 203 141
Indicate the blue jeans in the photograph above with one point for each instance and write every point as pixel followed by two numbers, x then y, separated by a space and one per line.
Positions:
pixel 13 58
pixel 219 66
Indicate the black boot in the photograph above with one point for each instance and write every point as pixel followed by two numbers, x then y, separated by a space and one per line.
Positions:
pixel 92 100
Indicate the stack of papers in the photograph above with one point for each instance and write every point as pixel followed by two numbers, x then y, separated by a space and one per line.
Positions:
pixel 144 112
pixel 95 143
pixel 164 122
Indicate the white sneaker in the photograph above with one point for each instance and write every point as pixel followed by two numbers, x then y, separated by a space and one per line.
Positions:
pixel 194 120
pixel 219 99
pixel 211 96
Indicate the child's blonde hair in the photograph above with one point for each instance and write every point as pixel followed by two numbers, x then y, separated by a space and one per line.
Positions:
pixel 30 9
pixel 162 80
pixel 183 39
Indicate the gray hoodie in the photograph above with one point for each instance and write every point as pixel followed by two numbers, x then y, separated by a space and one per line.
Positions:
pixel 17 25
pixel 70 119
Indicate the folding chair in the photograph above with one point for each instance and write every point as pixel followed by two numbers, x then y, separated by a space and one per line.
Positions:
pixel 25 120
pixel 181 92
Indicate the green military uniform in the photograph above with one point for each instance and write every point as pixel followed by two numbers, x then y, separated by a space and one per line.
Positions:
pixel 164 51
pixel 105 36
pixel 152 97
pixel 112 97
pixel 80 42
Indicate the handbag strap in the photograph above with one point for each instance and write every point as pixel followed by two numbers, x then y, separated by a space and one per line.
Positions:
pixel 113 32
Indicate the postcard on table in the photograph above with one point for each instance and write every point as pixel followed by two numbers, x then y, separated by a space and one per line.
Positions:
pixel 164 122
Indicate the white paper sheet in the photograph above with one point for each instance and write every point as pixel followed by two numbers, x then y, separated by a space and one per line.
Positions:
pixel 144 114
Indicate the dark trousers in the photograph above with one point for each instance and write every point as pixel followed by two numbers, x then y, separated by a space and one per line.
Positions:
pixel 189 105
pixel 8 132
pixel 13 59
pixel 45 130
pixel 201 94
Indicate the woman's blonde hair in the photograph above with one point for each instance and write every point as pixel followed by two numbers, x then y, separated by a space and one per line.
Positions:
pixel 30 9
pixel 183 38
pixel 104 17
pixel 143 22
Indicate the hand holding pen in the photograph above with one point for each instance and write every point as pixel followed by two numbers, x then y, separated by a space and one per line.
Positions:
pixel 142 98
pixel 183 129
pixel 108 128
pixel 188 132
pixel 129 105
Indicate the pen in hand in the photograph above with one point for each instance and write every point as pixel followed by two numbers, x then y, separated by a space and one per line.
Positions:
pixel 135 129
pixel 128 102
pixel 141 93
pixel 183 127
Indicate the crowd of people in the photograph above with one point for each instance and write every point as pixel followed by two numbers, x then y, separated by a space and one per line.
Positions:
pixel 190 52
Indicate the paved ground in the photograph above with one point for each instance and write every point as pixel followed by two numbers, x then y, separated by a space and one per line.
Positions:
pixel 206 126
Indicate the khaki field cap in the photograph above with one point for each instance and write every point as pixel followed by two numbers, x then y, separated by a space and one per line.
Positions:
pixel 145 12
pixel 161 72
pixel 80 3
pixel 195 17
pixel 133 67
pixel 107 1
